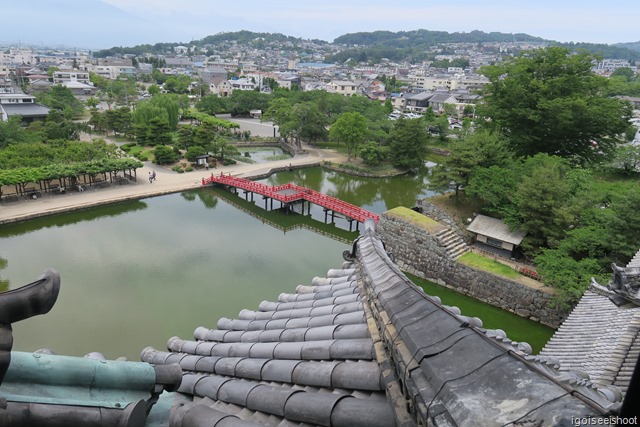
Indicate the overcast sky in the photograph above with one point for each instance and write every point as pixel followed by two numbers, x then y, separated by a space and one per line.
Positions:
pixel 106 23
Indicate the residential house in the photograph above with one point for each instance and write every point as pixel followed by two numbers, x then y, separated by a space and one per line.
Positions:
pixel 242 84
pixel 112 72
pixel 213 75
pixel 224 89
pixel 145 68
pixel 115 62
pixel 64 76
pixel 21 105
pixel 181 50
pixel 417 102
pixel 439 99
pixel 343 87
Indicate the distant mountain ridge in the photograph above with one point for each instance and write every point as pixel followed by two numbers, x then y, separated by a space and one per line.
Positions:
pixel 372 46
pixel 629 45
pixel 403 39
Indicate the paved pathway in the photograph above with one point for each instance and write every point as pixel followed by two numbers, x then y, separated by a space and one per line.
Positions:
pixel 167 181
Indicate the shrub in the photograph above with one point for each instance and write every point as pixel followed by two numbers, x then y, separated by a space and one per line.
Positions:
pixel 228 162
pixel 372 153
pixel 164 155
pixel 193 152
pixel 188 169
pixel 143 157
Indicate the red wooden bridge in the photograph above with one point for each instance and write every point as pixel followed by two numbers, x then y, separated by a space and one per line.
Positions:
pixel 291 193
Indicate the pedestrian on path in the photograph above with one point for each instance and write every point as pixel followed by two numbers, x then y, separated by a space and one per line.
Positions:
pixel 150 178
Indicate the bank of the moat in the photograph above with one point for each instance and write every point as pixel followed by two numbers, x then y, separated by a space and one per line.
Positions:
pixel 417 250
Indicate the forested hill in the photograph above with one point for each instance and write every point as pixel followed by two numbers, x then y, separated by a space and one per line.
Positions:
pixel 631 45
pixel 405 39
pixel 373 45
pixel 242 37
pixel 604 50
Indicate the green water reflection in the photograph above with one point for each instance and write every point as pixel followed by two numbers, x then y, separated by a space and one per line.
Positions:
pixel 136 273
pixel 517 328
pixel 374 194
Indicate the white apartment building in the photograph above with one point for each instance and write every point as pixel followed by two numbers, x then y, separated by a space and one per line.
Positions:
pixel 64 76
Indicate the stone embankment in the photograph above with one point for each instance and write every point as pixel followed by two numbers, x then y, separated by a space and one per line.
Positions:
pixel 415 246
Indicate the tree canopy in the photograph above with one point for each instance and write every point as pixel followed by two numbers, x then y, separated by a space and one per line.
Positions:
pixel 550 101
pixel 352 128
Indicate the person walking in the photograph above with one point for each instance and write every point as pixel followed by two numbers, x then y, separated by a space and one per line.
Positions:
pixel 153 175
pixel 150 178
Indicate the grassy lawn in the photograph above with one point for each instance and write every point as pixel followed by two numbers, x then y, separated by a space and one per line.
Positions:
pixel 486 264
pixel 137 151
pixel 416 218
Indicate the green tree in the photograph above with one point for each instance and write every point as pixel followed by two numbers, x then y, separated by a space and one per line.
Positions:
pixel 177 84
pixel 212 104
pixel 153 89
pixel 311 121
pixel 352 129
pixel 242 102
pixel 12 131
pixel 61 98
pixel 373 153
pixel 624 72
pixel 159 132
pixel 408 143
pixel 57 126
pixel 569 276
pixel 92 103
pixel 541 198
pixel 478 150
pixel 165 155
pixel 550 101
pixel 193 152
pixel 627 159
pixel 223 149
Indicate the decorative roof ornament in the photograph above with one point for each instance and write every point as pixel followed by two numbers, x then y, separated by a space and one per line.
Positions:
pixel 625 282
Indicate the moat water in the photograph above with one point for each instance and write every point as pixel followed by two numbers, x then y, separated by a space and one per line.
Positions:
pixel 136 273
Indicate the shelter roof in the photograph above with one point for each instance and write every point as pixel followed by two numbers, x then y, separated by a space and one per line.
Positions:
pixel 495 228
pixel 25 110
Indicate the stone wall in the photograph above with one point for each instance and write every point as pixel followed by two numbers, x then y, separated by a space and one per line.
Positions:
pixel 417 251
pixel 433 211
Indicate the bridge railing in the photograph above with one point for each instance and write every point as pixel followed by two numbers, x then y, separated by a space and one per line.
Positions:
pixel 274 192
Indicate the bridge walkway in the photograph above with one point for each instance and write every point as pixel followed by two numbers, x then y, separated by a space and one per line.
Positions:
pixel 291 193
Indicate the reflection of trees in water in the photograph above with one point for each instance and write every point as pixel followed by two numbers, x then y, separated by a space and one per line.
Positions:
pixel 206 196
pixel 308 177
pixel 394 191
pixel 189 196
pixel 356 190
pixel 403 191
pixel 4 284
pixel 72 217
pixel 208 199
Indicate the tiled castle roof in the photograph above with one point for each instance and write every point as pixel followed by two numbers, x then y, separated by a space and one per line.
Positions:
pixel 363 346
pixel 600 337
pixel 366 347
